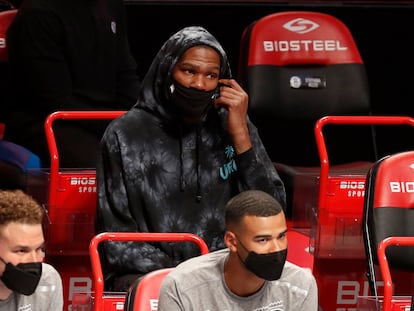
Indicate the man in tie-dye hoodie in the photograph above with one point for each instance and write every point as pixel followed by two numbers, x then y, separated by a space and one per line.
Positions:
pixel 172 162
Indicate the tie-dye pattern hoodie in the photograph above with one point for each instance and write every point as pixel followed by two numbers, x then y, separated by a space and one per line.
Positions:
pixel 156 174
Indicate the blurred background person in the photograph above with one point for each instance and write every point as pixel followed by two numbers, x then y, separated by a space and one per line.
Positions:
pixel 67 55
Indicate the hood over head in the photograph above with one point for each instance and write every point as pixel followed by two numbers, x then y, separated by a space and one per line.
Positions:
pixel 155 85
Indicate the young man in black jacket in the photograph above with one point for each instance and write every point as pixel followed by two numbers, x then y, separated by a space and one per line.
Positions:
pixel 172 162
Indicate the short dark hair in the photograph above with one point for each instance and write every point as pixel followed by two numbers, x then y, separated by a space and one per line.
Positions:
pixel 252 203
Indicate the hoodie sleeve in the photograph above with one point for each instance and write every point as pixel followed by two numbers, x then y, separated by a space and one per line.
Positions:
pixel 256 170
pixel 114 215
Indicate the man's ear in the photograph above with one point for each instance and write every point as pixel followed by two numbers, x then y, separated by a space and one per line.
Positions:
pixel 230 241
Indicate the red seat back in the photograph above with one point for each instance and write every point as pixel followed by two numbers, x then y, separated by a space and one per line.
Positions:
pixel 389 212
pixel 143 294
pixel 311 62
pixel 70 196
pixel 98 281
pixel 297 67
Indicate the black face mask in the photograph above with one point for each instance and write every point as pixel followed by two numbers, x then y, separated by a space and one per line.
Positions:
pixel 191 103
pixel 266 266
pixel 22 278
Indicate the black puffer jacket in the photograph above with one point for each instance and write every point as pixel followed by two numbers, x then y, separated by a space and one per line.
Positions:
pixel 157 175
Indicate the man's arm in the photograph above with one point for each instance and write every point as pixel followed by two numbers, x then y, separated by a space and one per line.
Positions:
pixel 257 171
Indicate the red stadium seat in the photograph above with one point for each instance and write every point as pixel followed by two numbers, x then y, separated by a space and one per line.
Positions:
pixel 70 198
pixel 69 194
pixel 297 67
pixel 143 294
pixel 136 294
pixel 388 224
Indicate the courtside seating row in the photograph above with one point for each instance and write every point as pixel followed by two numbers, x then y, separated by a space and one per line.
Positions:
pixel 332 59
pixel 70 197
pixel 327 198
pixel 71 203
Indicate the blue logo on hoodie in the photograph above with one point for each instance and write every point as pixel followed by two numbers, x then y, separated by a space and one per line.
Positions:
pixel 230 167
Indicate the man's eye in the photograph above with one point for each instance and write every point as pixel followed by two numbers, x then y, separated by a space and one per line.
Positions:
pixel 283 235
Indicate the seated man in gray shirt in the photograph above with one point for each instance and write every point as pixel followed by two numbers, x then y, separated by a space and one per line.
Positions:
pixel 26 282
pixel 251 273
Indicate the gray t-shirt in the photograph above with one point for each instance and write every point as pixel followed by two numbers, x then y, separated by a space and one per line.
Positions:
pixel 48 295
pixel 198 285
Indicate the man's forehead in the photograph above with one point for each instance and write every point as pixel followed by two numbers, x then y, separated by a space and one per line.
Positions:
pixel 19 234
pixel 258 223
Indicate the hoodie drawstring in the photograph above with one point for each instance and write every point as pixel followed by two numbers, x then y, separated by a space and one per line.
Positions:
pixel 198 175
pixel 198 138
pixel 182 182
